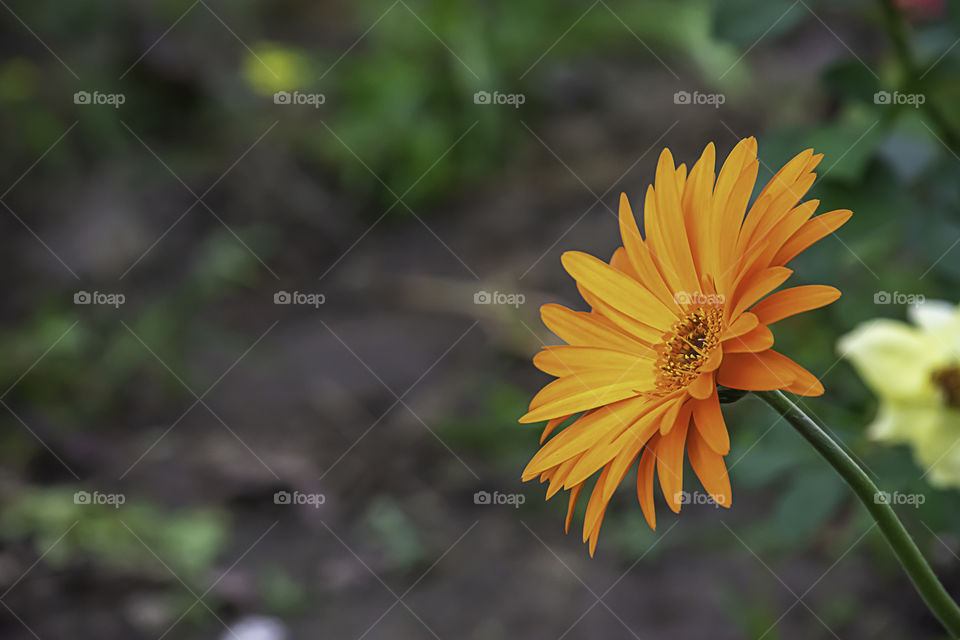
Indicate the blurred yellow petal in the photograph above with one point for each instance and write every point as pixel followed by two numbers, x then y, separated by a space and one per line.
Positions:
pixel 894 359
pixel 941 320
pixel 937 450
pixel 904 423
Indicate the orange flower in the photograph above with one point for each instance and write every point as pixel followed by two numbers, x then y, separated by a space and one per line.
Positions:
pixel 676 312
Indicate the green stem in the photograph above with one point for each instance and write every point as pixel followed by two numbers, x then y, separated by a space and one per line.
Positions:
pixel 926 582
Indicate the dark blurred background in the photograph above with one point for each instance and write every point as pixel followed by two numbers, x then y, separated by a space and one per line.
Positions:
pixel 250 384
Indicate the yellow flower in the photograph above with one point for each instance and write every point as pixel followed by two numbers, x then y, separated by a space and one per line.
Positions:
pixel 915 372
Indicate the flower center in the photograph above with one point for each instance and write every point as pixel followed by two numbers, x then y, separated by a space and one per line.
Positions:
pixel 948 379
pixel 686 347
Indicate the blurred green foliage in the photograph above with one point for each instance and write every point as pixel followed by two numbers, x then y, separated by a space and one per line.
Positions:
pixel 135 537
pixel 395 534
pixel 404 97
pixel 396 105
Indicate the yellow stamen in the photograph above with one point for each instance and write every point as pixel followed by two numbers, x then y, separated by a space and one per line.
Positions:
pixel 686 347
pixel 948 379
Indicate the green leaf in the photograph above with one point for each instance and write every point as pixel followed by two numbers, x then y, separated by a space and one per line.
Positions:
pixel 851 79
pixel 744 22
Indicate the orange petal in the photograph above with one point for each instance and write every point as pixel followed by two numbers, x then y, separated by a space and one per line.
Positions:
pixel 645 482
pixel 592 427
pixel 588 390
pixel 580 328
pixel 703 386
pixel 736 166
pixel 735 184
pixel 559 476
pixel 670 210
pixel 630 444
pixel 745 323
pixel 670 460
pixel 681 175
pixel 594 536
pixel 631 326
pixel 755 371
pixel 788 200
pixel 551 425
pixel 597 428
pixel 620 261
pixel 805 383
pixel 618 469
pixel 784 180
pixel 595 507
pixel 760 285
pixel 710 468
pixel 812 231
pixel 773 239
pixel 564 360
pixel 714 359
pixel 780 195
pixel 789 302
pixel 697 200
pixel 572 505
pixel 618 290
pixel 710 424
pixel 616 442
pixel 670 418
pixel 732 216
pixel 759 339
pixel 639 254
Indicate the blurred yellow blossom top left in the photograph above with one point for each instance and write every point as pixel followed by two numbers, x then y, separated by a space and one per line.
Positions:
pixel 269 68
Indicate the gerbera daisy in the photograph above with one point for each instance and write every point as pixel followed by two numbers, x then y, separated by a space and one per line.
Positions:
pixel 677 311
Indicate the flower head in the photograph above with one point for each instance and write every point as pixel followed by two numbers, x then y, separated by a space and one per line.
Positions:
pixel 677 310
pixel 915 372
